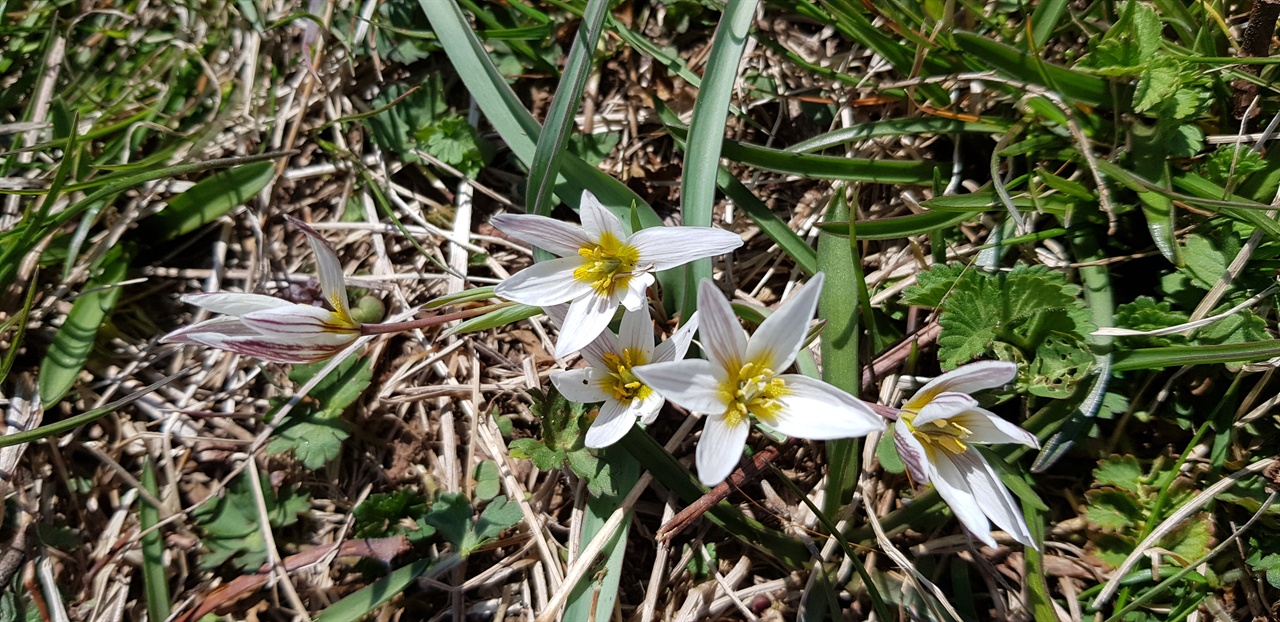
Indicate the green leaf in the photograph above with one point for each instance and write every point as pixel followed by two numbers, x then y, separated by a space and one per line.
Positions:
pixel 1231 164
pixel 402 114
pixel 497 517
pixel 564 106
pixel 313 443
pixel 231 525
pixel 1121 472
pixel 494 319
pixel 887 452
pixel 933 285
pixel 706 133
pixel 75 338
pixel 1205 260
pixel 452 140
pixel 1191 540
pixel 451 516
pixel 210 199
pixel 1023 66
pixel 1112 510
pixel 488 480
pixel 384 514
pixel 155 578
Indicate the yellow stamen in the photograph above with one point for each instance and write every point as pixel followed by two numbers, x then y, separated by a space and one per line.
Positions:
pixel 943 434
pixel 607 265
pixel 621 382
pixel 752 389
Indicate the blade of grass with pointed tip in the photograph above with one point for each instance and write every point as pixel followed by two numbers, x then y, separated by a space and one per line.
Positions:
pixel 74 340
pixel 494 319
pixel 368 599
pixel 1096 279
pixel 897 227
pixel 1044 19
pixel 706 133
pixel 770 224
pixel 840 347
pixel 896 127
pixel 154 578
pixel 564 106
pixel 520 131
pixel 71 423
pixel 1023 66
pixel 1150 160
pixel 210 198
pixel 824 167
pixel 1177 356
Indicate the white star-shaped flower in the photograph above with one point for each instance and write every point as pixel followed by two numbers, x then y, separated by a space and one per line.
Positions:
pixel 741 381
pixel 600 266
pixel 624 398
pixel 935 434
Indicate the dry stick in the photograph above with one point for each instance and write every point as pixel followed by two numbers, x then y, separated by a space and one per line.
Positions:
pixel 892 551
pixel 1255 43
pixel 1172 522
pixel 269 542
pixel 885 362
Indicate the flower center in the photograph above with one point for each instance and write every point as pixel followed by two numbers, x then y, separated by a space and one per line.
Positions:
pixel 607 265
pixel 621 382
pixel 943 434
pixel 752 390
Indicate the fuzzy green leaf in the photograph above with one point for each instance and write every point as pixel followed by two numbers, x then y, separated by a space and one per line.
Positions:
pixel 1121 472
pixel 1113 510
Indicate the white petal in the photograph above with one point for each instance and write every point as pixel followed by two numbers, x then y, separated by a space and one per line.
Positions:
pixel 545 283
pixel 953 486
pixel 668 247
pixel 989 429
pixel 225 326
pixel 636 332
pixel 587 318
pixel 816 410
pixel 944 406
pixel 691 383
pixel 329 268
pixel 995 500
pixel 558 237
pixel 593 353
pixel 612 423
pixel 633 297
pixel 597 219
pixel 235 304
pixel 719 449
pixel 305 324
pixel 647 410
pixel 781 335
pixel 674 348
pixel 230 334
pixel 966 379
pixel 722 336
pixel 912 453
pixel 580 385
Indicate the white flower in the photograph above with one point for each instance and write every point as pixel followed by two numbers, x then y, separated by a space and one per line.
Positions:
pixel 273 329
pixel 600 266
pixel 935 434
pixel 741 382
pixel 610 379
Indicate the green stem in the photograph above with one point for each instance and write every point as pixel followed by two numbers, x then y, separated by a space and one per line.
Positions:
pixel 435 320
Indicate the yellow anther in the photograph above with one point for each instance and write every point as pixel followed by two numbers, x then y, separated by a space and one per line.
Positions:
pixel 754 390
pixel 623 384
pixel 607 265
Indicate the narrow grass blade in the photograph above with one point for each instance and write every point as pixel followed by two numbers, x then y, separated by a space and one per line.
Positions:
pixel 594 597
pixel 837 306
pixel 154 578
pixel 366 600
pixel 564 105
pixel 896 127
pixel 1150 160
pixel 897 227
pixel 826 167
pixel 1044 20
pixel 706 132
pixel 1020 65
pixel 210 198
pixel 73 342
pixel 1177 356
pixel 71 423
pixel 771 224
pixel 501 317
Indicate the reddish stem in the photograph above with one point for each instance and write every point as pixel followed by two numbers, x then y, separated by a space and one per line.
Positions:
pixel 435 320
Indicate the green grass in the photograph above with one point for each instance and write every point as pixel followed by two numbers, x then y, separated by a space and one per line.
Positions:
pixel 888 145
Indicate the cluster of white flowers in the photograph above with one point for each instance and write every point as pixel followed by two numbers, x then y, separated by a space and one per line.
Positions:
pixel 601 267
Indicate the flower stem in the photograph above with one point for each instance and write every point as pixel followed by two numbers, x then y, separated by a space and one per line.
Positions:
pixel 434 320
